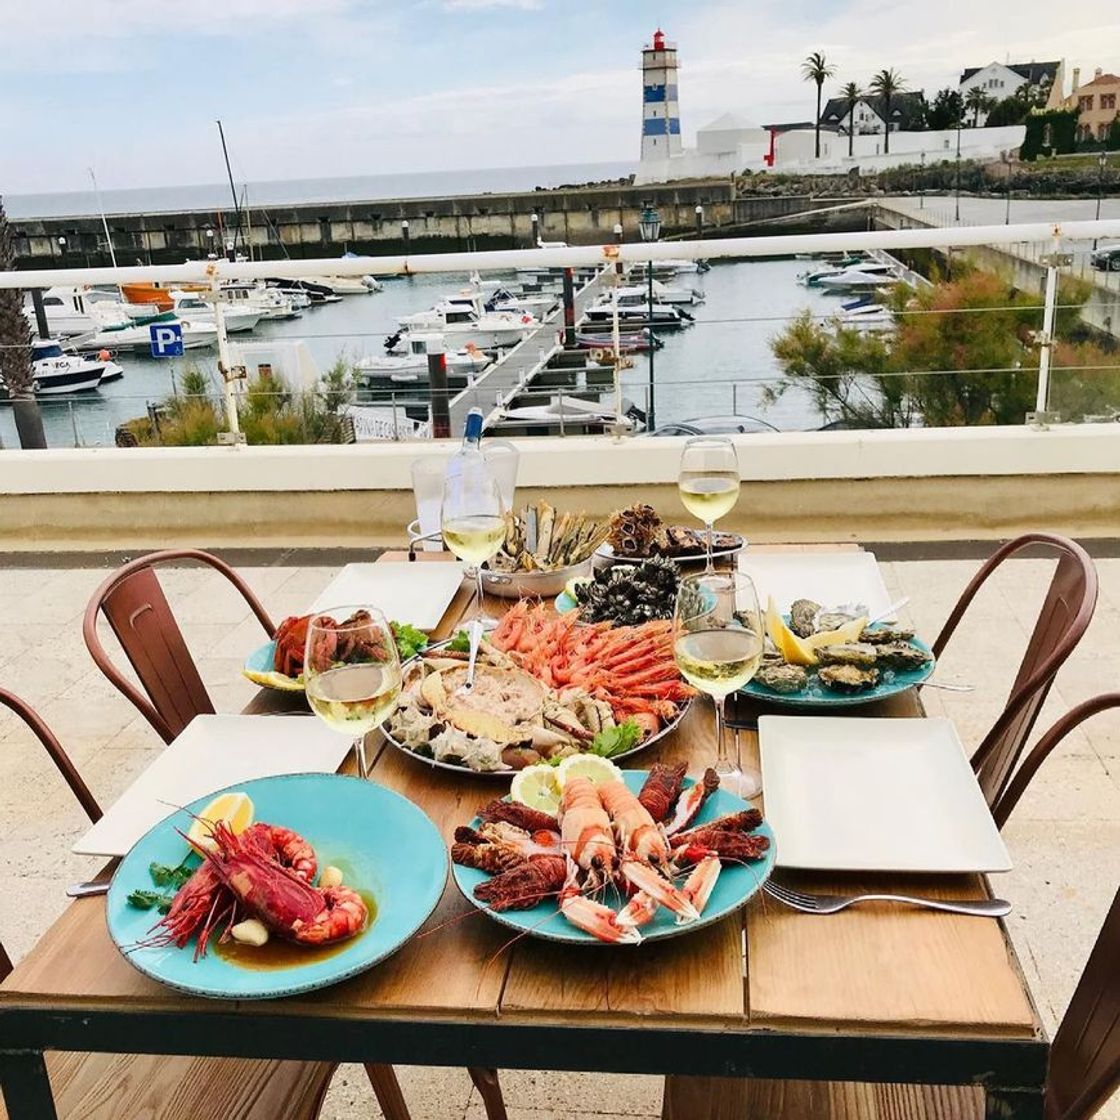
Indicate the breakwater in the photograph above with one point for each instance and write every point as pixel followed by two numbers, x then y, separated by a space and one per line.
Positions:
pixel 576 215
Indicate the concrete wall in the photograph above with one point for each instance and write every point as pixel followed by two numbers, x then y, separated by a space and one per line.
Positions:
pixel 932 484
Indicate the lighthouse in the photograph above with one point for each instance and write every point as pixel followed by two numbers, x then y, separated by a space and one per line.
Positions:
pixel 661 113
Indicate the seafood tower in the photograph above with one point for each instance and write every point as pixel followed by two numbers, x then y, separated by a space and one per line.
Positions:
pixel 661 113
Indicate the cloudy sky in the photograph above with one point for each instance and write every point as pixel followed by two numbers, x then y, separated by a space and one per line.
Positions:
pixel 311 88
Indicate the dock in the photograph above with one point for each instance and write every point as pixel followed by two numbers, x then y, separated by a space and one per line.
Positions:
pixel 517 368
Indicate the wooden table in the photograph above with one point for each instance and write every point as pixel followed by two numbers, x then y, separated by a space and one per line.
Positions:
pixel 875 994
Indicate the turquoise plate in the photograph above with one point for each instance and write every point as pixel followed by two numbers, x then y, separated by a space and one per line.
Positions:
pixel 815 695
pixel 736 885
pixel 258 668
pixel 385 845
pixel 565 603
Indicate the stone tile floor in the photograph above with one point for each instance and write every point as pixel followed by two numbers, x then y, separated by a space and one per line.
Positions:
pixel 1064 835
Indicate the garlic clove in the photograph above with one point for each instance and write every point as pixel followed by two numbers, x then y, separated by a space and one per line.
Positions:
pixel 252 931
pixel 330 876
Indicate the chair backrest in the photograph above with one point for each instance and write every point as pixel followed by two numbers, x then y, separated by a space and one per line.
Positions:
pixel 1085 1054
pixel 136 608
pixel 65 767
pixel 1065 615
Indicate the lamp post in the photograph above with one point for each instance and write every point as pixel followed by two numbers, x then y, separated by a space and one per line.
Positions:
pixel 1102 162
pixel 210 254
pixel 922 181
pixel 62 247
pixel 957 209
pixel 699 221
pixel 649 226
pixel 1007 209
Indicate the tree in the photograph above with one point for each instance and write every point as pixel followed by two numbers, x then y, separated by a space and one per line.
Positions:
pixel 815 69
pixel 945 110
pixel 887 84
pixel 978 102
pixel 851 93
pixel 16 370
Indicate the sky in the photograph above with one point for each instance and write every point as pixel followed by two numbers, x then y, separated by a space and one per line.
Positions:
pixel 315 88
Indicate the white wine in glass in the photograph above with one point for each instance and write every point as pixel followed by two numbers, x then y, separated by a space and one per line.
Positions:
pixel 708 481
pixel 717 646
pixel 352 672
pixel 475 538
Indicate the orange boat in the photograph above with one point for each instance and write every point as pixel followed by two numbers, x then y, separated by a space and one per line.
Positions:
pixel 156 293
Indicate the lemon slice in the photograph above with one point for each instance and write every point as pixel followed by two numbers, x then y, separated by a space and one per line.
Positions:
pixel 795 650
pixel 273 679
pixel 591 766
pixel 234 808
pixel 849 632
pixel 537 787
pixel 575 582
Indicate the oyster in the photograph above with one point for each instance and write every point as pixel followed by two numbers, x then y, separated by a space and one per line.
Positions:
pixel 847 678
pixel 833 620
pixel 782 677
pixel 849 653
pixel 885 635
pixel 802 617
pixel 902 656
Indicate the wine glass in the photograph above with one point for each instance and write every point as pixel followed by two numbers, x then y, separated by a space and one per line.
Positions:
pixel 717 645
pixel 471 517
pixel 709 481
pixel 351 672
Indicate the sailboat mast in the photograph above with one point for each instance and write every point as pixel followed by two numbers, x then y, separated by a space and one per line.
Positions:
pixel 232 188
pixel 104 222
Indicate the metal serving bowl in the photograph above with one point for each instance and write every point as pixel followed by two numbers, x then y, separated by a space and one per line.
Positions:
pixel 532 585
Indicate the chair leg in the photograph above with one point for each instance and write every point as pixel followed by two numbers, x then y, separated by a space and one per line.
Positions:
pixel 387 1090
pixel 486 1082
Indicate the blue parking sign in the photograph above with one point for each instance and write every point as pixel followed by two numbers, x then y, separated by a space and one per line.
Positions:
pixel 167 340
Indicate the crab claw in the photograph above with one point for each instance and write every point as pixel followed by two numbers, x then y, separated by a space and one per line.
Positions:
pixel 598 920
pixel 646 879
pixel 638 911
pixel 699 885
pixel 690 802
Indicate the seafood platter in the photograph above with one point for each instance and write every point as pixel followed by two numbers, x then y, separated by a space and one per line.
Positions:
pixel 542 551
pixel 546 687
pixel 278 664
pixel 816 657
pixel 276 887
pixel 638 533
pixel 612 856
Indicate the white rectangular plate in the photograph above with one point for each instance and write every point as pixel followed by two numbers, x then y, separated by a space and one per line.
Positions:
pixel 213 752
pixel 417 593
pixel 830 578
pixel 850 794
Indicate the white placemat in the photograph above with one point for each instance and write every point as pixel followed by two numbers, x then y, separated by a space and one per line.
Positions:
pixel 211 753
pixel 416 592
pixel 830 578
pixel 867 794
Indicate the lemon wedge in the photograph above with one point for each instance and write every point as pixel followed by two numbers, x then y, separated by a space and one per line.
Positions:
pixel 849 632
pixel 591 766
pixel 575 582
pixel 272 679
pixel 236 809
pixel 537 787
pixel 795 650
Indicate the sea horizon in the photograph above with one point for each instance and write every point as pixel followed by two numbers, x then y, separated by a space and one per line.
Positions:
pixel 287 192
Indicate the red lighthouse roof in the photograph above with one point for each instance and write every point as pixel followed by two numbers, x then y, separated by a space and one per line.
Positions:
pixel 659 40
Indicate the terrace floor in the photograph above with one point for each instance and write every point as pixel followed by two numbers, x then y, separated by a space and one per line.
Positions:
pixel 1064 835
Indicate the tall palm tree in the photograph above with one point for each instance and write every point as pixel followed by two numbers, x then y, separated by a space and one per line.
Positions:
pixel 850 94
pixel 15 349
pixel 816 69
pixel 979 102
pixel 887 84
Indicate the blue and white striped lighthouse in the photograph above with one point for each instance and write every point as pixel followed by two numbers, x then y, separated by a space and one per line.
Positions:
pixel 661 112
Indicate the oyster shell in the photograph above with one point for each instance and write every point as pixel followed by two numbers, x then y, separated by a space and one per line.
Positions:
pixel 832 620
pixel 848 653
pixel 885 635
pixel 902 656
pixel 802 617
pixel 782 677
pixel 847 678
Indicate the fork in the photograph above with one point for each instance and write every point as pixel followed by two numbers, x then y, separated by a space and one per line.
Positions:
pixel 831 903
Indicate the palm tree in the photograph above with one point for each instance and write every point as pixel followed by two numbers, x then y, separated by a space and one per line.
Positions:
pixel 979 102
pixel 816 69
pixel 886 84
pixel 15 349
pixel 850 95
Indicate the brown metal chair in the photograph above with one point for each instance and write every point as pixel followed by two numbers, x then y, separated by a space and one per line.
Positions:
pixel 1063 619
pixel 137 610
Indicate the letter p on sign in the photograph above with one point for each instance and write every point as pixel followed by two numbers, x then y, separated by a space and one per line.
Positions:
pixel 167 340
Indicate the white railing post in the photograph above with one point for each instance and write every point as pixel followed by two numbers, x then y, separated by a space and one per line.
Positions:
pixel 1053 262
pixel 225 367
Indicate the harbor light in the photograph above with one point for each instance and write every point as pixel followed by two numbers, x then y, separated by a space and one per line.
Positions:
pixel 649 224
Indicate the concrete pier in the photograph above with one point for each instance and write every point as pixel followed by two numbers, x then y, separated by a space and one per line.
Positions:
pixel 577 215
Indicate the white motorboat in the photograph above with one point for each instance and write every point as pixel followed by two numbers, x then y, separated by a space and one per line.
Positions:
pixel 502 299
pixel 137 339
pixel 70 311
pixel 662 293
pixel 194 308
pixel 413 365
pixel 270 303
pixel 57 372
pixel 674 268
pixel 661 315
pixel 867 316
pixel 346 285
pixel 488 330
pixel 858 279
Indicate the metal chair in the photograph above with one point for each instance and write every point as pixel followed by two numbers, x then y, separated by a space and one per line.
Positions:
pixel 137 610
pixel 1063 619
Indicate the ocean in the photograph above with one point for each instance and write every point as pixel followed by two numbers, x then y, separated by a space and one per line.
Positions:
pixel 287 192
pixel 719 366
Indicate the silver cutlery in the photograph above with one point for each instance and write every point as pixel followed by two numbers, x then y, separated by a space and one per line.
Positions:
pixel 945 687
pixel 831 903
pixel 891 612
pixel 475 638
pixel 88 890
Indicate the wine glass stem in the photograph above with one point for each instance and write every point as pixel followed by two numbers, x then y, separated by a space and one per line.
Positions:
pixel 478 614
pixel 360 755
pixel 710 566
pixel 723 763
